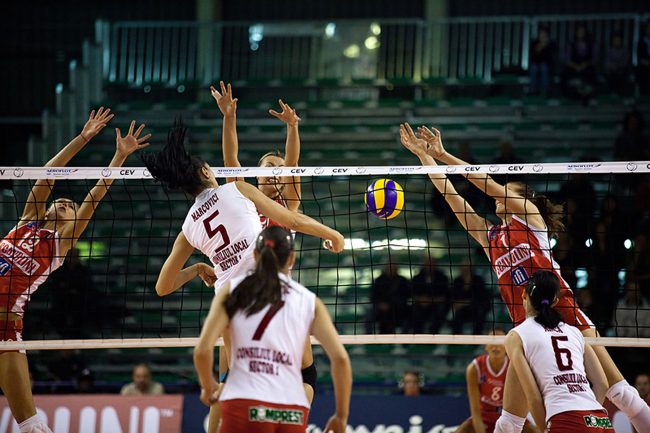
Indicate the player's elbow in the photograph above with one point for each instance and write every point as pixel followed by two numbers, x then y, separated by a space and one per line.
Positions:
pixel 341 359
pixel 162 288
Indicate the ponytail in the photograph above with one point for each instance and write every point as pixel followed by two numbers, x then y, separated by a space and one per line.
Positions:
pixel 551 213
pixel 263 287
pixel 173 166
pixel 543 289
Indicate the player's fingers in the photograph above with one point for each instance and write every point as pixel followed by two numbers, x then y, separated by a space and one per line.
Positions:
pixel 229 89
pixel 274 113
pixel 437 133
pixel 138 131
pixel 92 113
pixel 99 112
pixel 118 133
pixel 108 119
pixel 145 138
pixel 131 127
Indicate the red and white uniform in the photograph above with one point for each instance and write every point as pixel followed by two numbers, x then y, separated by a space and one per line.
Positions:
pixel 268 222
pixel 516 251
pixel 264 391
pixel 28 255
pixel 224 225
pixel 491 385
pixel 267 348
pixel 556 358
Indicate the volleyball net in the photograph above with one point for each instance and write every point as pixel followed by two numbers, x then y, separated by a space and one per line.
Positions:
pixel 417 278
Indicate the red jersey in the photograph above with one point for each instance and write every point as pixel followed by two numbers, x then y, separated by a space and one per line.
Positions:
pixel 268 222
pixel 517 251
pixel 28 255
pixel 490 385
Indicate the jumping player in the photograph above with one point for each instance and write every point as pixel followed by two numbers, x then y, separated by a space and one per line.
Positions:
pixel 285 191
pixel 486 377
pixel 36 247
pixel 517 248
pixel 270 317
pixel 551 359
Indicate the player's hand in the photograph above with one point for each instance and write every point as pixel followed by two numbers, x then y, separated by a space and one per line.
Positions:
pixel 206 273
pixel 336 425
pixel 433 137
pixel 225 101
pixel 132 141
pixel 96 122
pixel 210 394
pixel 336 244
pixel 416 145
pixel 288 114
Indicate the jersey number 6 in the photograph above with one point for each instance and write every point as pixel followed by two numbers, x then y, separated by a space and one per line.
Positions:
pixel 220 229
pixel 559 351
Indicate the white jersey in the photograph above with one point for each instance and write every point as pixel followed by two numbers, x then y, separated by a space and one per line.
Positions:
pixel 224 225
pixel 267 348
pixel 556 358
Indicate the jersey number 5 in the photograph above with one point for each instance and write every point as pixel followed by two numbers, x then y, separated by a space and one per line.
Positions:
pixel 559 351
pixel 220 229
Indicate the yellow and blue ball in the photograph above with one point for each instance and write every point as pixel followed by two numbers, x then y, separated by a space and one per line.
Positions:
pixel 384 198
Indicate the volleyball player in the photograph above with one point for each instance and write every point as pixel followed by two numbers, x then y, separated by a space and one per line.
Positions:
pixel 270 317
pixel 517 248
pixel 486 377
pixel 284 191
pixel 553 364
pixel 36 247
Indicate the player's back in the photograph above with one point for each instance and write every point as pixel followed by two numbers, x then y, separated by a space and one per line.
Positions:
pixel 556 357
pixel 267 347
pixel 223 224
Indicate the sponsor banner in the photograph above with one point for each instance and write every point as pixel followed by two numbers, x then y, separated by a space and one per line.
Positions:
pixel 222 172
pixel 103 413
pixel 376 413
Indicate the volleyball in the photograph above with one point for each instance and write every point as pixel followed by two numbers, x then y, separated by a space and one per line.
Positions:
pixel 384 198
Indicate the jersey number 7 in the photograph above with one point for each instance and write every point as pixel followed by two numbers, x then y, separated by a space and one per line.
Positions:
pixel 273 310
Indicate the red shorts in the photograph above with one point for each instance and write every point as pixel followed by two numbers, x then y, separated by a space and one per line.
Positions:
pixel 580 421
pixel 254 416
pixel 11 330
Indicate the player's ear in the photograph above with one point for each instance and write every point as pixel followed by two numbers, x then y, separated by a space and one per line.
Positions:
pixel 555 301
pixel 292 259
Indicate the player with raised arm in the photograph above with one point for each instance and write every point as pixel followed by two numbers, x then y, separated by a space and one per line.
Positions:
pixel 36 247
pixel 270 316
pixel 555 365
pixel 223 223
pixel 285 191
pixel 516 249
pixel 486 377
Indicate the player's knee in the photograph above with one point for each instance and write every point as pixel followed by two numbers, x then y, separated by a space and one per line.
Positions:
pixel 626 398
pixel 34 424
pixel 509 423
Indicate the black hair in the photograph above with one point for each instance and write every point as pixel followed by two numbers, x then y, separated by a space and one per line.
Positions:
pixel 173 166
pixel 543 288
pixel 263 287
pixel 552 213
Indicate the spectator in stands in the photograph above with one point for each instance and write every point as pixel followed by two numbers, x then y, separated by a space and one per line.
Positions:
pixel 617 65
pixel 607 259
pixel 430 298
pixel 67 365
pixel 643 59
pixel 642 384
pixel 639 269
pixel 580 72
pixel 540 62
pixel 632 144
pixel 632 318
pixel 411 384
pixel 86 382
pixel 389 295
pixel 470 301
pixel 142 383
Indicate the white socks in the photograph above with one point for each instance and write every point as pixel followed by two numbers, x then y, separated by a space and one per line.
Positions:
pixel 34 424
pixel 509 423
pixel 626 398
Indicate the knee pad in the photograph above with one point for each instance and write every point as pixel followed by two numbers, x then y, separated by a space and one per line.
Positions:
pixel 34 424
pixel 626 398
pixel 309 375
pixel 509 423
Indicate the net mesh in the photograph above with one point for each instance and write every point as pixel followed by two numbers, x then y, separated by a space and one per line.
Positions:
pixel 418 273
